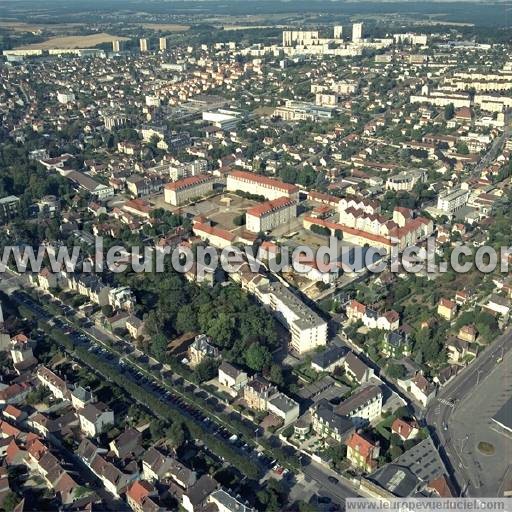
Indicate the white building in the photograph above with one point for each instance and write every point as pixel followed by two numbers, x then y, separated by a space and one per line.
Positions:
pixel 65 97
pixel 231 377
pixel 271 214
pixel 307 329
pixel 357 32
pixel 363 407
pixel 187 189
pixel 58 388
pixel 162 43
pixel 452 200
pixel 227 503
pixel 143 45
pixel 222 118
pixel 300 37
pixel 405 180
pixel 152 101
pixel 284 408
pixel 94 418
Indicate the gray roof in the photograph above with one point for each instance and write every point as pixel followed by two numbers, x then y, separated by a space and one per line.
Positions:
pixel 306 316
pixel 423 460
pixel 398 480
pixel 335 421
pixel 9 199
pixel 229 502
pixel 358 399
pixel 504 416
pixel 329 356
pixel 356 366
pixel 283 403
pixel 229 369
pixel 82 394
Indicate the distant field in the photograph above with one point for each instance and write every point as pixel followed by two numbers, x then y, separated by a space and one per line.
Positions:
pixel 19 26
pixel 73 42
pixel 169 27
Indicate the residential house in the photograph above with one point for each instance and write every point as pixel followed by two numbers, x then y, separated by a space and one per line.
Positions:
pixel 396 344
pixel 53 382
pixel 94 418
pixel 356 370
pixel 362 453
pixel 329 359
pixel 232 377
pixel 363 406
pixel 225 502
pixel 422 390
pixel 283 407
pixel 135 326
pixel 200 349
pixel 326 422
pixel 257 393
pixel 497 305
pixel 197 496
pixel 467 333
pixel 141 496
pixel 14 394
pixel 447 309
pixel 127 444
pixel 405 429
pixel 80 397
pixel 155 465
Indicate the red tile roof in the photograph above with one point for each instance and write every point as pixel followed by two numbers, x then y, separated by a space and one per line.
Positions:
pixel 210 230
pixel 361 445
pixel 402 428
pixel 188 182
pixel 265 181
pixel 270 206
pixel 139 490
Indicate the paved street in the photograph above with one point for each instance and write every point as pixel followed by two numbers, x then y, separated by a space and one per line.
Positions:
pixel 460 417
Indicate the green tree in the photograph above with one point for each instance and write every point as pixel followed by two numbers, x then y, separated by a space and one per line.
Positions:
pixel 276 375
pixel 396 371
pixel 176 435
pixel 449 111
pixel 257 357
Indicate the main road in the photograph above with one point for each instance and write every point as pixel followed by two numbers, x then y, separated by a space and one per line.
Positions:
pixel 449 401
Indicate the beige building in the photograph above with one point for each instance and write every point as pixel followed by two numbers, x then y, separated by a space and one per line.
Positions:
pixel 271 214
pixel 257 184
pixel 186 189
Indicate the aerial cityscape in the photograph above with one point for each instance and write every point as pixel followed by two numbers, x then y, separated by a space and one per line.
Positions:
pixel 254 256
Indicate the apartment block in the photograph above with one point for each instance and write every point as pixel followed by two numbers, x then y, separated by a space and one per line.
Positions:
pixel 257 184
pixel 186 189
pixel 307 329
pixel 271 214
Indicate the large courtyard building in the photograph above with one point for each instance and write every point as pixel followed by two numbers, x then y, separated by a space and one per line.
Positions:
pixel 270 214
pixel 182 191
pixel 257 184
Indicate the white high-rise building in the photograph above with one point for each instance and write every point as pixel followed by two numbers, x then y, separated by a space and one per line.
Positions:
pixel 143 45
pixel 163 43
pixel 116 45
pixel 338 32
pixel 357 32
